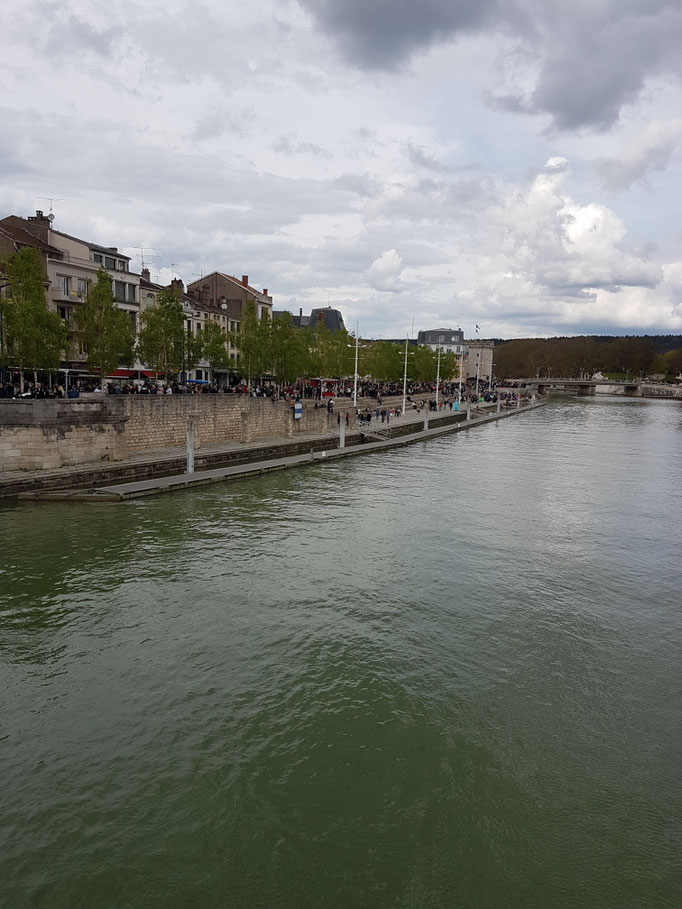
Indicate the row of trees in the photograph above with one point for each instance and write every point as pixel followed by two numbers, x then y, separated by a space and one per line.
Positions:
pixel 585 356
pixel 33 338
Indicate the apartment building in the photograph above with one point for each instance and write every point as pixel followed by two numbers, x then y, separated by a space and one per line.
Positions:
pixel 220 289
pixel 71 267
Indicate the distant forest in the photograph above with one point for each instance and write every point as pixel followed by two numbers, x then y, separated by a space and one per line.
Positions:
pixel 634 355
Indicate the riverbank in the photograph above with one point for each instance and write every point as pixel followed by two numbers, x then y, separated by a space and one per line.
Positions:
pixel 167 475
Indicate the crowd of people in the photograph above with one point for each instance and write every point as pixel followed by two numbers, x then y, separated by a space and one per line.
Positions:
pixel 448 392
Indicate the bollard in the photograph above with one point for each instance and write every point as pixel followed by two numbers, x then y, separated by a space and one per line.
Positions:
pixel 518 402
pixel 499 404
pixel 533 399
pixel 426 420
pixel 468 410
pixel 190 445
pixel 342 435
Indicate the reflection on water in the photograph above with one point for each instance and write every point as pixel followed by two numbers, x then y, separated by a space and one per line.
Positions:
pixel 437 676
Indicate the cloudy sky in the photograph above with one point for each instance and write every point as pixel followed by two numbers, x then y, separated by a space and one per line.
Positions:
pixel 515 164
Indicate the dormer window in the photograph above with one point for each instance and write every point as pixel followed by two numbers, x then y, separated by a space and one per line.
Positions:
pixel 97 257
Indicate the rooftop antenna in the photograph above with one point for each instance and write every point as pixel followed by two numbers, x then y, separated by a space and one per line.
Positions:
pixel 144 249
pixel 51 201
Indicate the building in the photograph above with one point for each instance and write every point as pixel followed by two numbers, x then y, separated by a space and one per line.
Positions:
pixel 218 288
pixel 450 340
pixel 478 362
pixel 331 318
pixel 71 266
pixel 198 313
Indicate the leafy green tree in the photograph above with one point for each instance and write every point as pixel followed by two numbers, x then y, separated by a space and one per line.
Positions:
pixel 254 342
pixel 385 361
pixel 162 343
pixel 34 337
pixel 288 349
pixel 192 349
pixel 215 346
pixel 105 331
pixel 449 366
pixel 424 366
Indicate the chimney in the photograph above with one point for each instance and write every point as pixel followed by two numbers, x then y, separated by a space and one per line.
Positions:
pixel 145 274
pixel 39 226
pixel 265 291
pixel 177 285
pixel 245 280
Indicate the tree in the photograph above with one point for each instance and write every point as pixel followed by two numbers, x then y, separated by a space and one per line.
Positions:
pixel 215 346
pixel 254 342
pixel 105 330
pixel 162 343
pixel 287 349
pixel 34 337
pixel 424 364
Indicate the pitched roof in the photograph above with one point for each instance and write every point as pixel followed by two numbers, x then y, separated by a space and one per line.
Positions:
pixel 107 250
pixel 237 281
pixel 24 238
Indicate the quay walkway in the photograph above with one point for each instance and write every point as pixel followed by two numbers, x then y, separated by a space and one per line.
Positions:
pixel 401 431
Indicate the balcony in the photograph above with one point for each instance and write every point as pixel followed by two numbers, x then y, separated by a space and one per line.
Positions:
pixel 59 295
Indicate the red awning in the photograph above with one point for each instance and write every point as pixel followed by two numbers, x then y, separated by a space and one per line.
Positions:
pixel 122 374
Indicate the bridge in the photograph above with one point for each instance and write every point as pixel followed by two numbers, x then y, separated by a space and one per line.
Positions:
pixel 631 388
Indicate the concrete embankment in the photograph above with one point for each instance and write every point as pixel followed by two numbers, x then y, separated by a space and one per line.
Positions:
pixel 262 459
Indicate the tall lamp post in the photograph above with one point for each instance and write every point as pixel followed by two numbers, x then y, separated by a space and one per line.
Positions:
pixel 2 339
pixel 438 377
pixel 355 375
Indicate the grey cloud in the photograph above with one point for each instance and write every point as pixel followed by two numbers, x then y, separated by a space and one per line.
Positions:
pixel 289 145
pixel 382 34
pixel 218 122
pixel 646 153
pixel 593 58
pixel 69 33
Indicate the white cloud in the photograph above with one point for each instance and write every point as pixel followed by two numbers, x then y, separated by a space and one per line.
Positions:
pixel 647 151
pixel 384 272
pixel 238 138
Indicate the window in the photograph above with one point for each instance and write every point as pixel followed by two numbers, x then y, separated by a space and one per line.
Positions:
pixel 120 291
pixel 133 319
pixel 122 265
pixel 64 284
pixel 97 257
pixel 82 289
pixel 63 313
pixel 131 293
pixel 200 374
pixel 110 263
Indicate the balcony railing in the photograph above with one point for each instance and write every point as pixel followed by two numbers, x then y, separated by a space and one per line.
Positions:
pixel 68 296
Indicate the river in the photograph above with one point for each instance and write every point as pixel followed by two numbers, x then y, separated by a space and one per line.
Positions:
pixel 441 676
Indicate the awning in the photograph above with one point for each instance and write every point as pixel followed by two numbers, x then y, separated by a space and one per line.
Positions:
pixel 132 374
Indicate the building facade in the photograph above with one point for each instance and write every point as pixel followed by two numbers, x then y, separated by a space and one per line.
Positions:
pixel 478 362
pixel 449 340
pixel 71 266
pixel 219 289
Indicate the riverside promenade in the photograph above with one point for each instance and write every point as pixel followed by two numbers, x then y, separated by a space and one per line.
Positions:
pixel 164 470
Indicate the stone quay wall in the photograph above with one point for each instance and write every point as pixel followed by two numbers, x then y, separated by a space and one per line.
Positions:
pixel 37 434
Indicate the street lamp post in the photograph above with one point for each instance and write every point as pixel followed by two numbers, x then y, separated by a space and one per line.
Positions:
pixel 438 377
pixel 405 380
pixel 478 368
pixel 2 339
pixel 355 376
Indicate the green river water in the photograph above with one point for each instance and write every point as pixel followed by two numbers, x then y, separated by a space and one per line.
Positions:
pixel 442 676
